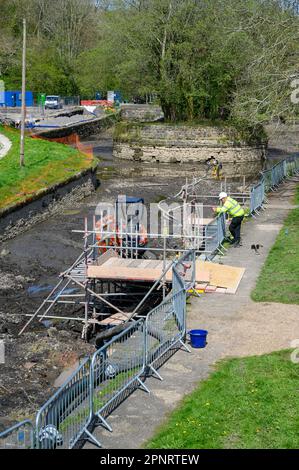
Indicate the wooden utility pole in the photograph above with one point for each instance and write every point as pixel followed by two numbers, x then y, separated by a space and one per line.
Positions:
pixel 23 115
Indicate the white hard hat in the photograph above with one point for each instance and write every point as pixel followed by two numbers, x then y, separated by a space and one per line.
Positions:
pixel 222 196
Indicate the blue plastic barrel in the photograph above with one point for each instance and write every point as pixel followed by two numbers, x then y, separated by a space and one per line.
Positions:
pixel 198 338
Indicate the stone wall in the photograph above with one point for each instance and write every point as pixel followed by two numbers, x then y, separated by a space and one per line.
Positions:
pixel 182 144
pixel 82 129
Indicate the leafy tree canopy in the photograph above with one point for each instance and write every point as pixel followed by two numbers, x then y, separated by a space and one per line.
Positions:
pixel 202 59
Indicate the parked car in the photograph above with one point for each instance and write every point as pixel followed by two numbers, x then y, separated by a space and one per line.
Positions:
pixel 53 102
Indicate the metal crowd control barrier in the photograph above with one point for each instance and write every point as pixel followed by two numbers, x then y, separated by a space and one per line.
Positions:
pixel 186 269
pixel 273 177
pixel 278 173
pixel 221 226
pixel 63 420
pixel 20 436
pixel 292 166
pixel 166 324
pixel 257 198
pixel 116 369
pixel 268 181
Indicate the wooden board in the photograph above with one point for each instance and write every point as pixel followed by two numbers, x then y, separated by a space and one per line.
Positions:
pixel 127 273
pixel 105 257
pixel 202 275
pixel 228 277
pixel 221 290
pixel 116 319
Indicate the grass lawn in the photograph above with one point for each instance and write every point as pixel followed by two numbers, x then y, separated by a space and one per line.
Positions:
pixel 279 279
pixel 46 163
pixel 249 403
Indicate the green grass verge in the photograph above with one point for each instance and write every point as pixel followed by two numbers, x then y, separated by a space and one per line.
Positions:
pixel 248 403
pixel 278 281
pixel 47 163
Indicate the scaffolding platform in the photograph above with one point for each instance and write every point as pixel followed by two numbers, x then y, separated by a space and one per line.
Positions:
pixel 126 270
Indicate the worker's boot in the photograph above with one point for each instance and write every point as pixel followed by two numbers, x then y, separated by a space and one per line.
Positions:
pixel 237 244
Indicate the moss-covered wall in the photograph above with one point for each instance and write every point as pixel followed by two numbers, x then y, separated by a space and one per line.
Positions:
pixel 167 143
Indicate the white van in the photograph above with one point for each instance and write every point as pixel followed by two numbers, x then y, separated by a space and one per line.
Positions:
pixel 53 102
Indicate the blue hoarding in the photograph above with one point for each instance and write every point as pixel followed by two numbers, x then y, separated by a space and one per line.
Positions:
pixel 13 99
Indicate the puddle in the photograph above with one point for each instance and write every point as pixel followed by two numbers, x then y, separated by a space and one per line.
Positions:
pixel 38 289
pixel 69 291
pixel 47 323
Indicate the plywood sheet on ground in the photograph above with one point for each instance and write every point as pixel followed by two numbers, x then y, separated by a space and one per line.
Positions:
pixel 228 277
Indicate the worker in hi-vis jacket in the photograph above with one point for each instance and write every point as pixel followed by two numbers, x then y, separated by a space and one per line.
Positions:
pixel 236 212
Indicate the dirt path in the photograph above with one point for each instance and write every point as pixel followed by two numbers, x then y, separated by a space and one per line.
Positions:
pixel 237 327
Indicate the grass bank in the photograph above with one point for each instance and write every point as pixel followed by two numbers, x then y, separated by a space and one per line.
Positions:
pixel 248 403
pixel 278 281
pixel 47 163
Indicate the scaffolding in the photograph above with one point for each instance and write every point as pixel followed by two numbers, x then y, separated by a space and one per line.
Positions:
pixel 131 282
pixel 117 294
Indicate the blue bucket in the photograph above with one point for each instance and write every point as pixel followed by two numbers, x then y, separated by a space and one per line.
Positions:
pixel 198 338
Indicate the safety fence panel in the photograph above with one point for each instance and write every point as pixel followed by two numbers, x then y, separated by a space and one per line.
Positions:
pixel 179 301
pixel 62 421
pixel 186 269
pixel 278 173
pixel 165 325
pixel 257 197
pixel 116 367
pixel 215 233
pixel 211 237
pixel 20 436
pixel 292 166
pixel 268 180
pixel 221 228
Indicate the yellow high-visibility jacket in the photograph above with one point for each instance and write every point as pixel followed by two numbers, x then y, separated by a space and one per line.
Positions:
pixel 232 207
